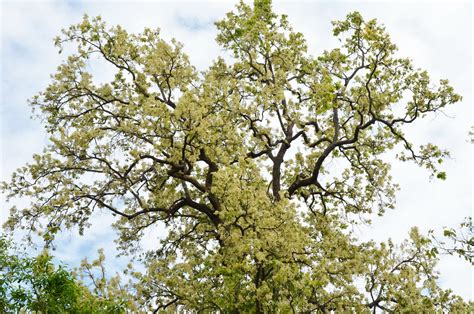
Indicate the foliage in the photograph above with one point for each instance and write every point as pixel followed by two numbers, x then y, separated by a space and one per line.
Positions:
pixel 110 293
pixel 236 162
pixel 457 242
pixel 35 284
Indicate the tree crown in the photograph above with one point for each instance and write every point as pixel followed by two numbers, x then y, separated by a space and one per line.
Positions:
pixel 235 162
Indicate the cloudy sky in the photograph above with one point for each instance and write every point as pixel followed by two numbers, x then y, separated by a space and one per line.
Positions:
pixel 436 35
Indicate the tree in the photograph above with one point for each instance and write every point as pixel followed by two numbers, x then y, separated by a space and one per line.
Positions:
pixel 35 284
pixel 234 161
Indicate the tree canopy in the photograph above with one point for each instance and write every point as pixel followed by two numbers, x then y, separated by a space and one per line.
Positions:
pixel 235 162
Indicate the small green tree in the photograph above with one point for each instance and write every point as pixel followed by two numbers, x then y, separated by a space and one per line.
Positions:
pixel 234 161
pixel 35 284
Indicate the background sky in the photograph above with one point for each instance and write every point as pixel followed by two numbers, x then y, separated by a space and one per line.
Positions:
pixel 436 35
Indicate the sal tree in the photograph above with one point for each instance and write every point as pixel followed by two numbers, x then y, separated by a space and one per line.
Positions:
pixel 235 163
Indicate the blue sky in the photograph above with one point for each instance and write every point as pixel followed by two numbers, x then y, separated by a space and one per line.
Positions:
pixel 437 36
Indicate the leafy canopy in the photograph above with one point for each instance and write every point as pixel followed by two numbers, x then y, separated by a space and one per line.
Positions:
pixel 235 162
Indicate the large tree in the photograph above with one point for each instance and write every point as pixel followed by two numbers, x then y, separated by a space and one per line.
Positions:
pixel 234 162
